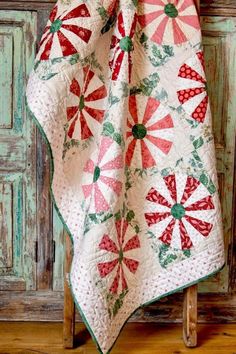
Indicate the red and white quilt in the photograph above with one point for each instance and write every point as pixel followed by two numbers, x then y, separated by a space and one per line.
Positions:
pixel 119 91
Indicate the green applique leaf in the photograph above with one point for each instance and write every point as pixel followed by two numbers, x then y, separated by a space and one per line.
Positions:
pixel 92 60
pixel 48 77
pixel 168 255
pixel 165 172
pixel 192 162
pixel 193 123
pixel 151 234
pixel 118 215
pixel 117 138
pixel 102 12
pixel 204 179
pixel 191 137
pixel 137 229
pixel 211 187
pixel 128 183
pixel 198 143
pixel 113 99
pixel 168 50
pixel 162 95
pixel 146 86
pixel 196 156
pixel 74 59
pixel 187 253
pixel 125 89
pixel 108 128
pixel 130 215
pixel 135 90
pixel 165 257
pixel 93 218
pixel 146 90
pixel 179 161
pixel 119 302
pixel 135 2
pixel 56 60
pixel 207 182
pixel 160 55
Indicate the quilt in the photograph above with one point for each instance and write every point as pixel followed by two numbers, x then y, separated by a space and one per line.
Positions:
pixel 119 92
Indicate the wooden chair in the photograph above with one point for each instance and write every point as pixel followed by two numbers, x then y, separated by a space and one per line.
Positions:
pixel 189 302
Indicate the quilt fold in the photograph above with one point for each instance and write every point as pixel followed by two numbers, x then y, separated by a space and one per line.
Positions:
pixel 119 92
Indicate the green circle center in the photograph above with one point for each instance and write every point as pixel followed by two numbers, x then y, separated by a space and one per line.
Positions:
pixel 55 26
pixel 96 174
pixel 126 44
pixel 81 103
pixel 171 11
pixel 121 256
pixel 177 211
pixel 139 131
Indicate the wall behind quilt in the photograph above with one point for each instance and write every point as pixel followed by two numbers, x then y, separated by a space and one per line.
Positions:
pixel 32 236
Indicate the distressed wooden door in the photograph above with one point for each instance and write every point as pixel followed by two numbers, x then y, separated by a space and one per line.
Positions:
pixel 219 40
pixel 17 154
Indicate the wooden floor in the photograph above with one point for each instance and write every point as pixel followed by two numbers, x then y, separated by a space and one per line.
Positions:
pixel 33 338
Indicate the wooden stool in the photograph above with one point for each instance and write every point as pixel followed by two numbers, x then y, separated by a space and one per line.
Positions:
pixel 189 303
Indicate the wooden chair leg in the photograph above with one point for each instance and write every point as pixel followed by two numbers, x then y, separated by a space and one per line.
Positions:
pixel 190 295
pixel 69 306
pixel 190 316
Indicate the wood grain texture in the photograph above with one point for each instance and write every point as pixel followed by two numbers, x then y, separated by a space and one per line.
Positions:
pixel 48 305
pixel 17 153
pixel 232 249
pixel 25 338
pixel 44 216
pixel 218 8
pixel 59 253
pixel 209 8
pixel 26 5
pixel 219 40
pixel 190 316
pixel 69 306
pixel 6 225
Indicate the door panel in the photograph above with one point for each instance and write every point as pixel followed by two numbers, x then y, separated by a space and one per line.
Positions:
pixel 219 40
pixel 17 153
pixel 6 222
pixel 6 50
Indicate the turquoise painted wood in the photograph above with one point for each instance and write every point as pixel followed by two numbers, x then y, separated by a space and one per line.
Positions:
pixel 6 50
pixel 17 153
pixel 219 39
pixel 58 265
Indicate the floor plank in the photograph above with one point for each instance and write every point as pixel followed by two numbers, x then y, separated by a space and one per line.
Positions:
pixel 139 338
